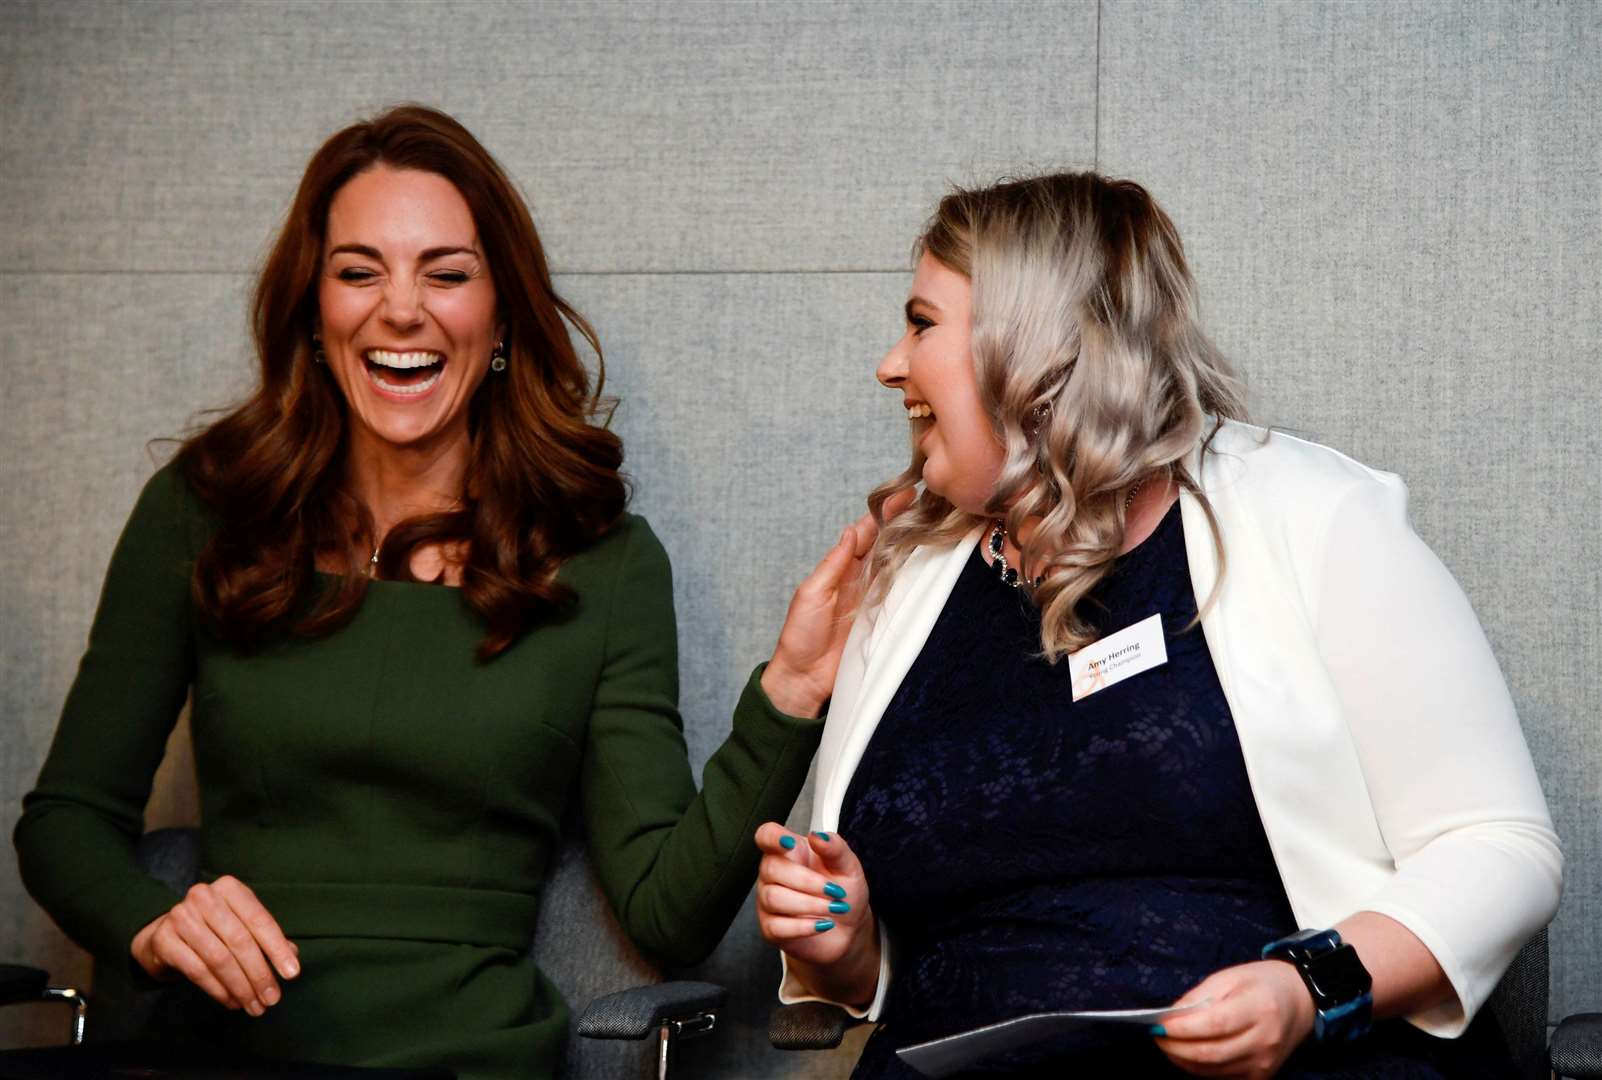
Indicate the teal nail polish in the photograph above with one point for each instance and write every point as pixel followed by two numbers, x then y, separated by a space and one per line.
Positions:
pixel 1158 1031
pixel 787 843
pixel 833 891
pixel 822 836
pixel 823 924
pixel 839 907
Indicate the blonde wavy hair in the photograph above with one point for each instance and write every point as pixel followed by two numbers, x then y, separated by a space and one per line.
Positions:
pixel 1092 367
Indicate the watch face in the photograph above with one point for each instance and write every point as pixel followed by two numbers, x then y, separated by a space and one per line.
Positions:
pixel 1337 976
pixel 1303 945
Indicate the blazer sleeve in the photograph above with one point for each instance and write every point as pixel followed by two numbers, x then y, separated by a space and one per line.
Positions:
pixel 75 839
pixel 792 991
pixel 676 863
pixel 1478 866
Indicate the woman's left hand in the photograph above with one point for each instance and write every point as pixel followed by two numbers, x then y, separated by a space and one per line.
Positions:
pixel 1260 1013
pixel 800 677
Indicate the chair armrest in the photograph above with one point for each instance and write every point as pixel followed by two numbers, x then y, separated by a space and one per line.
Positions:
pixel 19 984
pixel 1576 1049
pixel 808 1025
pixel 641 1011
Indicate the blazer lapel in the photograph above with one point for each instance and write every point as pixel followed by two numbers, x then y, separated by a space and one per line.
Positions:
pixel 881 648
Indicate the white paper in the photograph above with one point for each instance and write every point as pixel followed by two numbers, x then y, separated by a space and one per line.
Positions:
pixel 942 1057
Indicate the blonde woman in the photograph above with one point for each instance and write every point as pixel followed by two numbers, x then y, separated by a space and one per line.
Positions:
pixel 1146 705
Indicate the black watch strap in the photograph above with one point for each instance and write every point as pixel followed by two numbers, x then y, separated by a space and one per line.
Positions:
pixel 1340 985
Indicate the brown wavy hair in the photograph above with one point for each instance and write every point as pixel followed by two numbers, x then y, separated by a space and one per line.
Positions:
pixel 543 477
pixel 1093 368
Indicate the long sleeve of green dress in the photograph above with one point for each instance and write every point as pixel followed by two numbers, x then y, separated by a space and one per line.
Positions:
pixel 396 804
pixel 675 865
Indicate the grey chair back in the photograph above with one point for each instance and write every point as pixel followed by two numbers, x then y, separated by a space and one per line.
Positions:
pixel 1520 1006
pixel 580 946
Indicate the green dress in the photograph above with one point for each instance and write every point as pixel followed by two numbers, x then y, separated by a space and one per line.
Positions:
pixel 395 804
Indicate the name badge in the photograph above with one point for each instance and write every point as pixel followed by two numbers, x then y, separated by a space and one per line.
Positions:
pixel 1117 656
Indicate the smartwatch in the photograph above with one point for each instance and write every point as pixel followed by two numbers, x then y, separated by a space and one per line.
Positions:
pixel 1337 979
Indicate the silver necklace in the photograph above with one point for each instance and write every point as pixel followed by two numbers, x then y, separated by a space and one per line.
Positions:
pixel 998 546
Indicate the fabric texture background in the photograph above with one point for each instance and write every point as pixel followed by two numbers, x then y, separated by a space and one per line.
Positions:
pixel 1394 214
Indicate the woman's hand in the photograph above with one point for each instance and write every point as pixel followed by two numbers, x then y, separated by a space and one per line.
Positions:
pixel 800 677
pixel 222 939
pixel 812 903
pixel 1259 1015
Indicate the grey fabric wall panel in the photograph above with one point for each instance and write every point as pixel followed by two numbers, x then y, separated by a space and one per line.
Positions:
pixel 1393 212
pixel 98 364
pixel 696 135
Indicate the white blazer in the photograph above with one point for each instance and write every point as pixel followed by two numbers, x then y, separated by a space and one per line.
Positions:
pixel 1383 749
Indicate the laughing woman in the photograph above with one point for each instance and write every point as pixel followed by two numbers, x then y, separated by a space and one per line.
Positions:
pixel 1149 706
pixel 417 623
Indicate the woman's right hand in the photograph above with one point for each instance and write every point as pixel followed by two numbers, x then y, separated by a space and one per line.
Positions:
pixel 221 938
pixel 812 903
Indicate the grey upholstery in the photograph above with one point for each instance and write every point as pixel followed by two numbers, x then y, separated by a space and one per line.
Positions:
pixel 1577 1047
pixel 637 1013
pixel 1519 1004
pixel 808 1025
pixel 588 956
pixel 171 856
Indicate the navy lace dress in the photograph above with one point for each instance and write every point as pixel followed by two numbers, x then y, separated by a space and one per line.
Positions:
pixel 1029 853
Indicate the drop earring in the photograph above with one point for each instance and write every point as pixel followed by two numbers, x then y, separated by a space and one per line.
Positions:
pixel 317 350
pixel 498 357
pixel 1038 418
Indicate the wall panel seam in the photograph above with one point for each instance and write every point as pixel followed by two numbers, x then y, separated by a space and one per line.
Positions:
pixel 1095 123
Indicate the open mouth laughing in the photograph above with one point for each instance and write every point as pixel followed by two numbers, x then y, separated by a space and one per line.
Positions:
pixel 405 373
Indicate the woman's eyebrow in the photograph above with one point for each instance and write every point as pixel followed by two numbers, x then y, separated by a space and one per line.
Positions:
pixel 918 301
pixel 356 249
pixel 374 253
pixel 441 252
